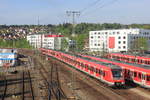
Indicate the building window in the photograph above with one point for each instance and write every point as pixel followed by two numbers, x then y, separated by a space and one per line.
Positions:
pixel 98 44
pixel 95 32
pixel 91 37
pixel 124 47
pixel 124 37
pixel 119 37
pixel 124 42
pixel 119 47
pixel 105 32
pixel 118 33
pixel 95 44
pixel 98 36
pixel 99 33
pixel 119 42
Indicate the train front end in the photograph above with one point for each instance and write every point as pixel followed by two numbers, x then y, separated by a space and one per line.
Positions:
pixel 117 76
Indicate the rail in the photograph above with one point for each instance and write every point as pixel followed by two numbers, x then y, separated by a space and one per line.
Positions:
pixel 23 85
pixel 56 87
pixel 31 86
pixel 5 90
pixel 53 85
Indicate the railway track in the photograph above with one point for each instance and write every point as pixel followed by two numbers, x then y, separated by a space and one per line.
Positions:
pixel 31 86
pixel 55 84
pixel 52 83
pixel 3 96
pixel 23 86
pixel 26 75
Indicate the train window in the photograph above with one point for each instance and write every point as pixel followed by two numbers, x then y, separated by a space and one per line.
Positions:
pixel 82 65
pixel 139 75
pixel 89 67
pixel 103 73
pixel 92 69
pixel 100 72
pixel 86 66
pixel 148 78
pixel 97 70
pixel 135 74
pixel 116 72
pixel 146 62
pixel 133 60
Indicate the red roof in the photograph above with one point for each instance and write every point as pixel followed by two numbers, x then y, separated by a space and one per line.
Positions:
pixel 53 35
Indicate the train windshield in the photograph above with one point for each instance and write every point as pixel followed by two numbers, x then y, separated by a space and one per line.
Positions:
pixel 116 73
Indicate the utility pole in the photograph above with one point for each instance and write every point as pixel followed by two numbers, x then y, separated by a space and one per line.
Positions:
pixel 73 14
pixel 72 45
pixel 38 21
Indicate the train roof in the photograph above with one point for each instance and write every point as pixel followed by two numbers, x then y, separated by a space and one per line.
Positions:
pixel 94 63
pixel 144 57
pixel 133 64
pixel 110 65
pixel 145 68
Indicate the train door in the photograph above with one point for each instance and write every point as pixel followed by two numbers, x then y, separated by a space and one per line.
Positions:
pixel 139 79
pixel 148 79
pixel 97 72
pixel 92 70
pixel 86 67
pixel 131 74
pixel 101 73
pixel 126 73
pixel 143 78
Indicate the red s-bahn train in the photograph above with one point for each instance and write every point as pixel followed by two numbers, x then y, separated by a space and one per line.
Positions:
pixel 139 74
pixel 129 58
pixel 108 73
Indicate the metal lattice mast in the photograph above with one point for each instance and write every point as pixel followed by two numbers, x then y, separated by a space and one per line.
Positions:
pixel 73 14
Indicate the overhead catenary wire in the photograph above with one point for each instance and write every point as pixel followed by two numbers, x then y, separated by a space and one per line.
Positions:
pixel 90 5
pixel 98 7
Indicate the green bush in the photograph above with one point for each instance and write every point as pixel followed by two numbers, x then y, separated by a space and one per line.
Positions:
pixel 19 43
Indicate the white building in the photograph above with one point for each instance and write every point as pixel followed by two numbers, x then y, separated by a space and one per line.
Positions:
pixel 118 40
pixel 45 41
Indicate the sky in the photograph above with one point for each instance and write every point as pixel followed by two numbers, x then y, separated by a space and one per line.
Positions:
pixel 22 12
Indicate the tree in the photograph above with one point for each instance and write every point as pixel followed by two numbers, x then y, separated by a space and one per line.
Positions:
pixel 80 41
pixel 140 44
pixel 64 44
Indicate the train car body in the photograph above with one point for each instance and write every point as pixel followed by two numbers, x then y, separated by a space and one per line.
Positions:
pixel 110 74
pixel 139 74
pixel 129 58
pixel 8 57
